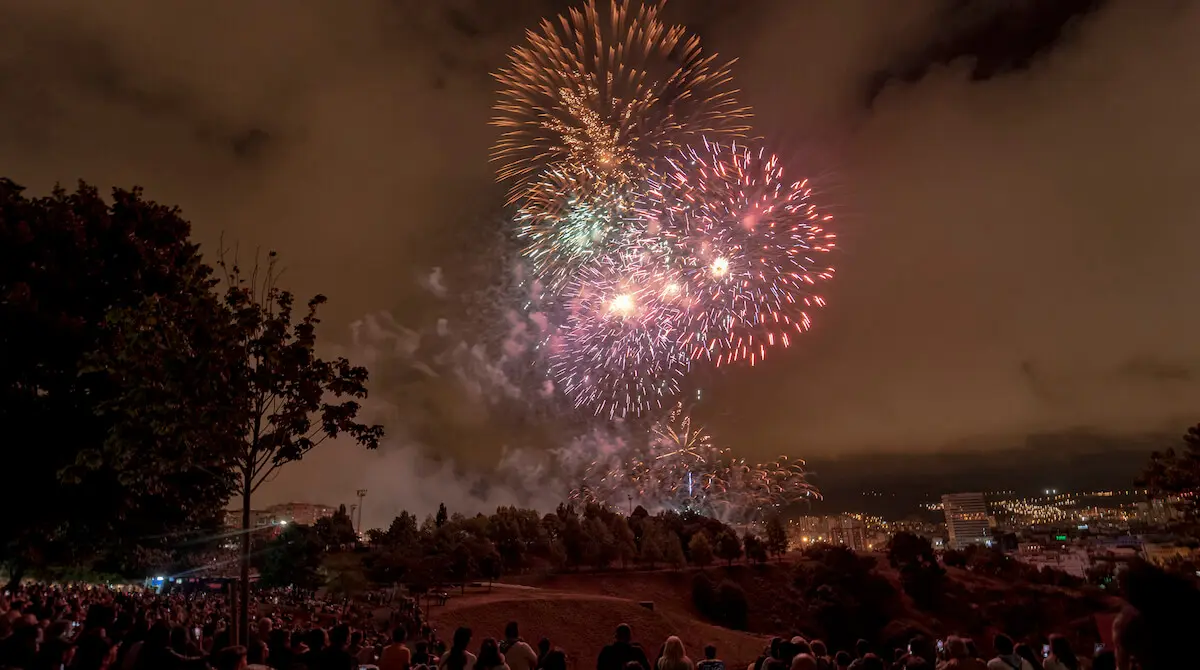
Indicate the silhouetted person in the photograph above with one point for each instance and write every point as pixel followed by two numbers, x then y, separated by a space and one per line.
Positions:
pixel 710 662
pixel 1006 656
pixel 621 652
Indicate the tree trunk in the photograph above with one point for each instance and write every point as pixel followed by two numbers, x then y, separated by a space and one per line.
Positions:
pixel 241 633
pixel 15 575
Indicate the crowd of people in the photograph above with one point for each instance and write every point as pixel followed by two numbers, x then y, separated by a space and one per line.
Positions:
pixel 46 627
pixel 953 653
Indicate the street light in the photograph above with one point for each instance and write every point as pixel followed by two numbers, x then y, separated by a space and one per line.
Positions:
pixel 362 493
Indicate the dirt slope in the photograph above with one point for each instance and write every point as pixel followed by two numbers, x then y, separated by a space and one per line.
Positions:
pixel 581 623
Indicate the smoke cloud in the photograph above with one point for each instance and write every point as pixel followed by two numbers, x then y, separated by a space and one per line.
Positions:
pixel 1015 215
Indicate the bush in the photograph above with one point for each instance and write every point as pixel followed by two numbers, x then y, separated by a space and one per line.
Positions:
pixel 734 609
pixel 704 595
pixel 725 604
pixel 953 558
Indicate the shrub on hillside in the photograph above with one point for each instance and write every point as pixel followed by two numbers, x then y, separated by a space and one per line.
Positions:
pixel 953 558
pixel 726 604
pixel 844 593
pixel 704 595
pixel 734 608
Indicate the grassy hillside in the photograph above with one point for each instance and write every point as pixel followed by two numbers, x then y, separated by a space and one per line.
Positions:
pixel 838 604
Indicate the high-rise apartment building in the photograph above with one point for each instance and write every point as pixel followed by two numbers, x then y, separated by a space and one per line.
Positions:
pixel 966 519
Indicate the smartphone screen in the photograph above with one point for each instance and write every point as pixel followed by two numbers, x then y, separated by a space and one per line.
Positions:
pixel 1045 651
pixel 941 645
pixel 1099 648
pixel 196 633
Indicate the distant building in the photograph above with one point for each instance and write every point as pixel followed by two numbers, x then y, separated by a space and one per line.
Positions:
pixel 302 513
pixel 966 519
pixel 849 532
pixel 1072 560
pixel 277 515
pixel 1164 554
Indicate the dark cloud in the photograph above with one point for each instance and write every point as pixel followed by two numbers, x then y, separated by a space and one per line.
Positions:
pixel 995 38
pixel 1014 187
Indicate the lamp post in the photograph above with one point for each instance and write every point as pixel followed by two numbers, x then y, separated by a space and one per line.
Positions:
pixel 362 493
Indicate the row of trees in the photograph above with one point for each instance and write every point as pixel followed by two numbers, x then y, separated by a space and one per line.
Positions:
pixel 455 549
pixel 143 386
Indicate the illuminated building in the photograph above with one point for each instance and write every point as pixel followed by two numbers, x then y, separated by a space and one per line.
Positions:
pixel 849 532
pixel 301 513
pixel 966 519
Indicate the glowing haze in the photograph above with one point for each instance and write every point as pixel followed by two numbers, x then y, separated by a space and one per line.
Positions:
pixel 1018 224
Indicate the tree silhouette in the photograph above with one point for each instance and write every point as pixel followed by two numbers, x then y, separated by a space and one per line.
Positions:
pixel 337 530
pixel 442 517
pixel 653 547
pixel 756 549
pixel 920 574
pixel 906 548
pixel 673 553
pixel 402 531
pixel 291 400
pixel 293 559
pixel 729 547
pixel 1172 475
pixel 701 550
pixel 777 541
pixel 490 566
pixel 602 551
pixel 623 541
pixel 103 309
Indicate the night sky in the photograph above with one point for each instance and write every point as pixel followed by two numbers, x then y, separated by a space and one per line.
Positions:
pixel 1014 185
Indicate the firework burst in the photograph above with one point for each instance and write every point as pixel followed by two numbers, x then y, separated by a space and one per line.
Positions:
pixel 685 462
pixel 606 94
pixel 616 352
pixel 674 468
pixel 679 467
pixel 568 221
pixel 748 243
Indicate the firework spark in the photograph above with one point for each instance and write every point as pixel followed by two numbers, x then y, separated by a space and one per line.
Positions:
pixel 748 243
pixel 606 94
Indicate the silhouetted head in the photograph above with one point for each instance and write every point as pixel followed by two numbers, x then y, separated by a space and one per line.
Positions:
pixel 624 633
pixel 1003 644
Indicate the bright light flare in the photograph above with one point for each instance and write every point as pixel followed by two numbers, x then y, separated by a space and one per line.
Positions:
pixel 720 267
pixel 622 305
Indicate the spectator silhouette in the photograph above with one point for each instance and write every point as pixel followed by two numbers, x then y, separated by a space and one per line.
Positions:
pixel 674 657
pixel 1061 657
pixel 710 662
pixel 1006 656
pixel 517 653
pixel 622 651
pixel 1163 612
pixel 490 657
pixel 458 658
